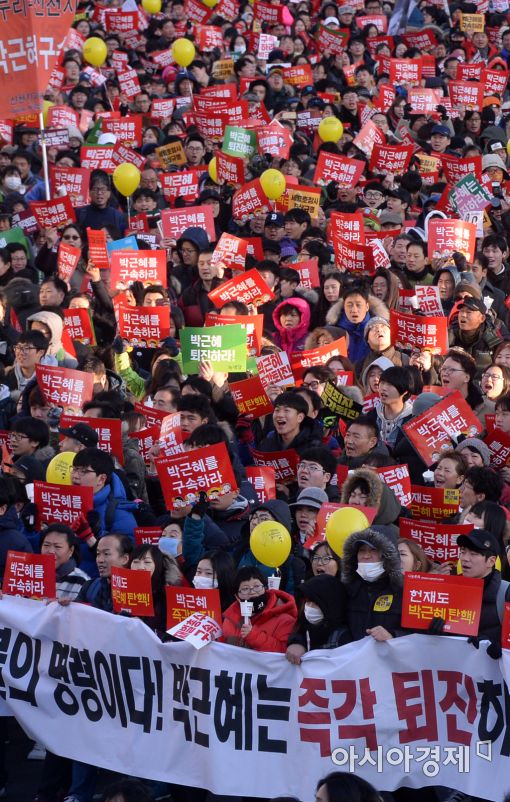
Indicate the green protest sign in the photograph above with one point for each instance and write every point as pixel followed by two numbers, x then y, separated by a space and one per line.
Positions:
pixel 468 195
pixel 239 141
pixel 13 235
pixel 225 347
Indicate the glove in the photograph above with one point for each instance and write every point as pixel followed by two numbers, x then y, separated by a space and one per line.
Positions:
pixel 118 345
pixel 82 529
pixel 494 650
pixel 474 641
pixel 201 506
pixel 28 516
pixel 436 626
pixel 94 521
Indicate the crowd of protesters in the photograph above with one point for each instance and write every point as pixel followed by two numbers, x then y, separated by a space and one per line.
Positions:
pixel 323 600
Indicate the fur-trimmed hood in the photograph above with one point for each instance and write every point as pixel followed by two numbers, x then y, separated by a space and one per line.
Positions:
pixel 312 341
pixel 380 495
pixel 376 308
pixel 388 549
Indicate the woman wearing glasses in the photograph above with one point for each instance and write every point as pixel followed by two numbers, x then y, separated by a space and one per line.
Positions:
pixel 458 372
pixel 271 617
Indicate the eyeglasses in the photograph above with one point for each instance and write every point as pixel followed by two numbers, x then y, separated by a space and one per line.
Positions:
pixel 81 471
pixel 493 376
pixel 312 385
pixel 188 250
pixel 16 437
pixel 322 560
pixel 373 195
pixel 99 189
pixel 309 466
pixel 452 370
pixel 254 591
pixel 24 349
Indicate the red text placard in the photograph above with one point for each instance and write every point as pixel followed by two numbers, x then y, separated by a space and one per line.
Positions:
pixel 455 599
pixel 183 602
pixel 30 575
pixel 131 592
pixel 185 476
pixel 61 504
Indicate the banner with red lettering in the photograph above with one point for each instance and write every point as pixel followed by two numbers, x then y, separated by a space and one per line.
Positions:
pixel 438 541
pixel 131 591
pixel 184 476
pixel 433 503
pixel 53 213
pixel 144 326
pixel 67 260
pixel 447 236
pixel 455 599
pixel 70 181
pixel 414 331
pixel 439 428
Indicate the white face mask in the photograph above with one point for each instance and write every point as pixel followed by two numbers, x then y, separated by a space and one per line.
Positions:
pixel 370 572
pixel 313 615
pixel 204 582
pixel 12 182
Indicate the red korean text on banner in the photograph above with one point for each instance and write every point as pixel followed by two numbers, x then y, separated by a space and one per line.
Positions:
pixel 131 592
pixel 284 463
pixel 148 267
pixel 78 326
pixel 274 370
pixel 185 476
pixel 249 288
pixel 334 41
pixel 498 443
pixel 397 478
pixel 175 221
pixel 109 432
pixel 263 481
pixel 412 331
pixel 147 535
pixel 26 221
pixel 183 602
pixel 438 428
pixel 67 260
pixel 64 387
pixel 53 213
pixel 98 254
pixel 181 184
pixel 505 629
pixel 61 504
pixel 71 181
pixel 392 158
pixel 198 630
pixel 429 301
pixel 308 273
pixel 300 75
pixel 317 356
pixel 230 252
pixel 455 599
pixel 248 200
pixel 252 323
pixel 250 398
pixel 30 575
pixel 423 100
pixel 438 541
pixel 405 71
pixel 348 226
pixel 146 440
pixel 230 169
pixel 144 326
pixel 433 503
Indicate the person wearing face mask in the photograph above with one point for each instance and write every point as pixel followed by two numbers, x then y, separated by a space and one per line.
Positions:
pixel 373 580
pixel 10 181
pixel 216 569
pixel 321 622
pixel 273 614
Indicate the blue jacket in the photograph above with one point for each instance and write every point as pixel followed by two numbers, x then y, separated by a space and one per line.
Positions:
pixel 11 537
pixel 358 347
pixel 201 535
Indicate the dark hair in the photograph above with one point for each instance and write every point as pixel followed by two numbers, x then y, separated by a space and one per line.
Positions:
pixel 298 216
pixel 323 456
pixel 398 378
pixel 154 288
pixel 369 423
pixel 57 283
pixel 496 241
pixel 464 359
pixel 418 243
pixel 457 458
pixel 314 398
pixel 62 529
pixel 108 401
pixel 419 556
pixel 36 397
pixel 124 542
pixel 355 289
pixel 93 364
pixel 287 308
pixel 240 308
pixel 342 786
pixel 290 275
pixel 131 790
pixel 321 373
pixel 292 400
pixel 99 177
pixel 35 338
pixel 224 571
pixel 34 429
pixel 99 461
pixel 199 384
pixel 248 572
pixel 494 516
pixel 5 255
pixel 486 481
pixel 198 404
pixel 504 401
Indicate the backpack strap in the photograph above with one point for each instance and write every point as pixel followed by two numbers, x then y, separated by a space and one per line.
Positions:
pixel 501 598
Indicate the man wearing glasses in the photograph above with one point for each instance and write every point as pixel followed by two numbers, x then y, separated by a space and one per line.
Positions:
pixel 316 469
pixel 98 213
pixel 28 352
pixel 28 436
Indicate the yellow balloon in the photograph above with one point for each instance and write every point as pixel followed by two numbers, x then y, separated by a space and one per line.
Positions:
pixel 46 106
pixel 210 3
pixel 270 543
pixel 59 468
pixel 126 178
pixel 508 147
pixel 94 51
pixel 273 183
pixel 183 52
pixel 151 6
pixel 330 129
pixel 343 523
pixel 212 169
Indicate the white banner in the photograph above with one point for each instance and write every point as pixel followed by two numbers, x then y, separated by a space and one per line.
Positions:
pixel 418 710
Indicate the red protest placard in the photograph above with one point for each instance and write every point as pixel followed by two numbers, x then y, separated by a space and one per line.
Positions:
pixel 62 504
pixel 67 261
pixel 30 575
pixel 250 398
pixel 284 463
pixel 144 326
pixel 127 129
pixel 123 152
pixel 412 331
pixel 98 254
pixel 438 428
pixel 391 158
pixel 405 71
pixel 53 213
pixel 252 323
pixel 263 481
pixel 300 75
pixel 317 356
pixel 274 139
pixel 64 387
pixel 498 443
pixel 248 200
pixel 181 184
pixel 184 476
pixel 428 298
pixel 230 252
pixel 455 599
pixel 183 602
pixel 308 273
pixel 175 221
pixel 129 83
pixel 505 629
pixel 147 535
pixel 154 417
pixel 438 541
pixel 131 592
pixel 455 169
pixel 433 502
pixel 249 288
pixel 494 81
pixel 171 436
pixel 466 93
pixel 146 266
pixel 230 169
pixel 348 226
pixel 78 326
pixel 368 136
pixel 75 182
pixel 146 439
pixel 397 478
pixel 353 257
pixel 109 432
pixel 274 370
pixel 61 117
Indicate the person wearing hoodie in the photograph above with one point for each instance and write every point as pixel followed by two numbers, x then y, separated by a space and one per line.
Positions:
pixel 50 323
pixel 364 488
pixel 291 319
pixel 403 451
pixel 393 408
pixel 11 537
pixel 372 373
pixel 446 279
pixel 352 313
pixel 293 428
pixel 322 618
pixel 378 336
pixel 272 619
pixel 373 579
pixel 192 242
pixel 29 351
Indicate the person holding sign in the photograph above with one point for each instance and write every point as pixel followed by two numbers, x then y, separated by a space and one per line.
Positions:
pixel 61 541
pixel 164 571
pixel 477 331
pixel 260 619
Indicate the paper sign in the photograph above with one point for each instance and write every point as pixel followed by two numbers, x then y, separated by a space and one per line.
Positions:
pixel 505 629
pixel 78 326
pixel 230 169
pixel 274 370
pixel 438 541
pixel 455 599
pixel 183 602
pixel 98 254
pixel 339 403
pixel 53 213
pixel 30 575
pixel 198 630
pixel 253 324
pixel 148 267
pixel 249 200
pixel 148 535
pixel 308 273
pixel 391 158
pixel 144 326
pixel 413 331
pixel 250 398
pixel 249 288
pixel 64 387
pixel 68 258
pixel 230 252
pixel 439 428
pixel 184 476
pixel 263 481
pixel 428 299
pixel 109 432
pixel 397 478
pixel 132 592
pixel 61 504
pixel 498 443
pixel 223 346
pixel 175 221
pixel 70 181
pixel 433 502
pixel 284 463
